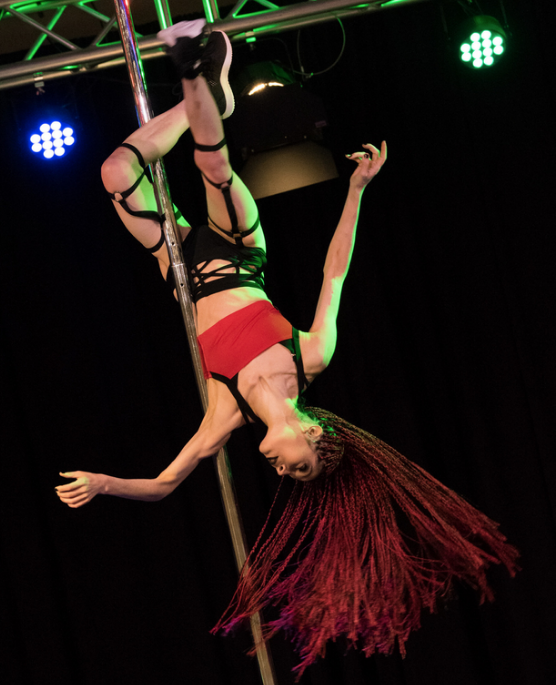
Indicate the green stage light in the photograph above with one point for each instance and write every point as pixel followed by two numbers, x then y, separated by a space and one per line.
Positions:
pixel 482 41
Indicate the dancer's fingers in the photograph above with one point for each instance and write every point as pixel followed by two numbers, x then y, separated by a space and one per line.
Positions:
pixel 71 494
pixel 371 147
pixel 382 153
pixel 375 153
pixel 78 482
pixel 82 490
pixel 359 156
pixel 74 504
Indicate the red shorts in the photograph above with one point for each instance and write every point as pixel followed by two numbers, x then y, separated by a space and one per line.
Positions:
pixel 229 345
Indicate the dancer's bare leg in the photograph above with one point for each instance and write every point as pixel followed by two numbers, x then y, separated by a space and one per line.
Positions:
pixel 206 128
pixel 122 169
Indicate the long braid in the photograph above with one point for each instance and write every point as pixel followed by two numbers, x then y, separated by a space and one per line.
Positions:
pixel 352 571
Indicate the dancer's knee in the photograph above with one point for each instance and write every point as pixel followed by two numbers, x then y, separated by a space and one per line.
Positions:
pixel 214 165
pixel 117 172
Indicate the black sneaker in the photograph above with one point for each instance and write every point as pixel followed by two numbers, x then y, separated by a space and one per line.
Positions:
pixel 185 42
pixel 194 51
pixel 215 65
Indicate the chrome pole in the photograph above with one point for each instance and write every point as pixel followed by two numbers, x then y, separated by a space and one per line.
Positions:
pixel 164 204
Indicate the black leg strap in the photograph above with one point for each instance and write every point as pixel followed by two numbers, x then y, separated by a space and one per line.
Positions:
pixel 219 185
pixel 121 198
pixel 225 187
pixel 160 243
pixel 239 234
pixel 142 164
pixel 137 154
pixel 211 148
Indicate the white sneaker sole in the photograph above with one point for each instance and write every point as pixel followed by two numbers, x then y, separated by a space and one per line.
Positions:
pixel 183 29
pixel 230 102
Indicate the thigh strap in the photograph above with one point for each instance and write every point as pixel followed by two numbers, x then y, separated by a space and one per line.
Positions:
pixel 160 243
pixel 225 187
pixel 239 235
pixel 121 198
pixel 210 148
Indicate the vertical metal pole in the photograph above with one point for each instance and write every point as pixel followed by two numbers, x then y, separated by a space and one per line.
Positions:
pixel 144 113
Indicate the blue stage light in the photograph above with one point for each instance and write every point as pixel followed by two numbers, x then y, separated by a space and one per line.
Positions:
pixel 52 139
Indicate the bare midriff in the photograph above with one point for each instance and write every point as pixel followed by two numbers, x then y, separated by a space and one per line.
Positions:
pixel 211 309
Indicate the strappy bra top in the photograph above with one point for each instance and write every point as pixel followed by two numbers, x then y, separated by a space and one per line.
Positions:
pixel 202 245
pixel 244 266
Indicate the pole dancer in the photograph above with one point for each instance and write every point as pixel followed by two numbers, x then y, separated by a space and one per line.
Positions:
pixel 350 569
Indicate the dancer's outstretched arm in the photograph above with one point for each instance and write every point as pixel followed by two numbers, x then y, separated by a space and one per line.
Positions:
pixel 321 340
pixel 221 419
pixel 87 485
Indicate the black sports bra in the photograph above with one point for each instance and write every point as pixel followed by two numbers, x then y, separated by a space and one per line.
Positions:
pixel 201 246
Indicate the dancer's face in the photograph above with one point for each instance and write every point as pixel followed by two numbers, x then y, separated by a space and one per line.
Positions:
pixel 289 450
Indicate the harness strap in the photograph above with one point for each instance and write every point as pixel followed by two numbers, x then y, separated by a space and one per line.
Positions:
pixel 225 187
pixel 295 348
pixel 248 414
pixel 160 243
pixel 134 187
pixel 121 198
pixel 210 148
pixel 137 153
pixel 241 234
pixel 244 408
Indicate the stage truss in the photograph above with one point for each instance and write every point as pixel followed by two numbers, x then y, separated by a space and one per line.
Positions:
pixel 245 21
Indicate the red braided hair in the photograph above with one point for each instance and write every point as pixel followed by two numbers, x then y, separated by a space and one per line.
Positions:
pixel 352 571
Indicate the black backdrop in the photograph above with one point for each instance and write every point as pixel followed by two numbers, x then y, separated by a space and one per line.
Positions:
pixel 445 351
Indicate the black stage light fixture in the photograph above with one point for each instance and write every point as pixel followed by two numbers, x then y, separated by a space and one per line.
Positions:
pixel 279 130
pixel 256 77
pixel 482 41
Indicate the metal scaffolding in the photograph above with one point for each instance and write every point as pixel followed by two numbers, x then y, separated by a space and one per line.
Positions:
pixel 238 24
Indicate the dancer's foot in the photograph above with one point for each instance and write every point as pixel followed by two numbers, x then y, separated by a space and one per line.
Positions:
pixel 215 65
pixel 184 43
pixel 194 53
pixel 183 29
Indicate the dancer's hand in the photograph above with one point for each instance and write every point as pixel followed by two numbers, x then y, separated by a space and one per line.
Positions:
pixel 81 490
pixel 369 163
